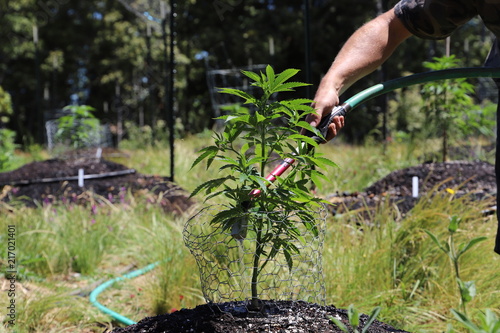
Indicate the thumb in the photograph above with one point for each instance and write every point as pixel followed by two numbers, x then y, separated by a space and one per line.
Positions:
pixel 313 119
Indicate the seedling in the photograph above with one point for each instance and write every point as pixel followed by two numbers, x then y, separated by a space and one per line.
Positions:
pixel 467 289
pixel 488 322
pixel 353 316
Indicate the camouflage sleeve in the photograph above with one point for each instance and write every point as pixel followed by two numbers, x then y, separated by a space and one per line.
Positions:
pixel 434 19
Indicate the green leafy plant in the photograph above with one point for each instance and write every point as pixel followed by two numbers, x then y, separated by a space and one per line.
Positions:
pixel 354 320
pixel 445 101
pixel 78 127
pixel 467 289
pixel 7 147
pixel 5 106
pixel 488 322
pixel 249 143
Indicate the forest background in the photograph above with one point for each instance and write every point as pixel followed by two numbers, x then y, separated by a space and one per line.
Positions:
pixel 101 53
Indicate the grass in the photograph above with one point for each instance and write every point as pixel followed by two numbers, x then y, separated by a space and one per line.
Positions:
pixel 65 249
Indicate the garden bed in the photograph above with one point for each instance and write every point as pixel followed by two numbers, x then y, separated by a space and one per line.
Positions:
pixel 458 178
pixel 232 317
pixel 53 180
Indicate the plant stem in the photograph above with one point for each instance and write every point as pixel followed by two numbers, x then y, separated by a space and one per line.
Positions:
pixel 254 305
pixel 454 258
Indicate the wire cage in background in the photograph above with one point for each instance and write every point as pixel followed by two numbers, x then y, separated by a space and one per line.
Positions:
pixel 226 263
pixel 101 136
pixel 230 78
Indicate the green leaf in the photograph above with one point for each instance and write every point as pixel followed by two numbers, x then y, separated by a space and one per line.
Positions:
pixel 323 161
pixel 205 152
pixel 289 86
pixel 252 75
pixel 373 315
pixel 303 138
pixel 353 315
pixel 339 324
pixel 467 290
pixel 305 125
pixel 247 97
pixel 470 244
pixel 285 75
pixel 435 240
pixel 288 258
pixel 209 185
pixel 464 320
pixel 270 76
pixel 453 224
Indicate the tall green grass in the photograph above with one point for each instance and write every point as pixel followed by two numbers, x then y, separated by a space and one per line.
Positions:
pixel 394 264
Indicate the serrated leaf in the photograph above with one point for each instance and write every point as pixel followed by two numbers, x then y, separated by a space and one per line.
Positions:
pixel 270 75
pixel 252 75
pixel 323 161
pixel 305 125
pixel 285 75
pixel 289 86
pixel 206 152
pixel 303 138
pixel 208 185
pixel 247 97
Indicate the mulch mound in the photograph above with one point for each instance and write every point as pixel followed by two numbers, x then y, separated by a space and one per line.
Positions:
pixel 475 179
pixel 233 317
pixel 56 180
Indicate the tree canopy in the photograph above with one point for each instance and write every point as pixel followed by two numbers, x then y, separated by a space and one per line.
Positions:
pixel 103 54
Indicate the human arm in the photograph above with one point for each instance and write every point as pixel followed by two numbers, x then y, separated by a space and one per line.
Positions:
pixel 363 52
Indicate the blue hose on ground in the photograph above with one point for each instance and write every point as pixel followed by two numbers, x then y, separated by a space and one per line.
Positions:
pixel 105 285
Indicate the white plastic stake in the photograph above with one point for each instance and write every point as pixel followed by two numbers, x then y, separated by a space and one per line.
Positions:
pixel 80 177
pixel 98 153
pixel 414 187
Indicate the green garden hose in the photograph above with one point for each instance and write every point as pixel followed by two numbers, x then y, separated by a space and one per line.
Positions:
pixel 105 285
pixel 383 88
pixel 455 73
pixel 341 110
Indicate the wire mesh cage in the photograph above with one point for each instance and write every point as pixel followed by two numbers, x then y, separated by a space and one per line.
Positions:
pixel 228 265
pixel 230 78
pixel 95 137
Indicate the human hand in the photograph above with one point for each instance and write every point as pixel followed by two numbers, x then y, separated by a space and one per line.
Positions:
pixel 324 101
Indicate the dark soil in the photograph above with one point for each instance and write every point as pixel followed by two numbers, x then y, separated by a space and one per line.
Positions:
pixel 474 179
pixel 233 317
pixel 54 180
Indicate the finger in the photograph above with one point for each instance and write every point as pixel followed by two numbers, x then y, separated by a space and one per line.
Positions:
pixel 338 121
pixel 333 129
pixel 332 132
pixel 314 119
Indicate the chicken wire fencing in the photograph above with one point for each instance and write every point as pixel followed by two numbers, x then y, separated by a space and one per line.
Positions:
pixel 232 78
pixel 226 263
pixel 99 136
